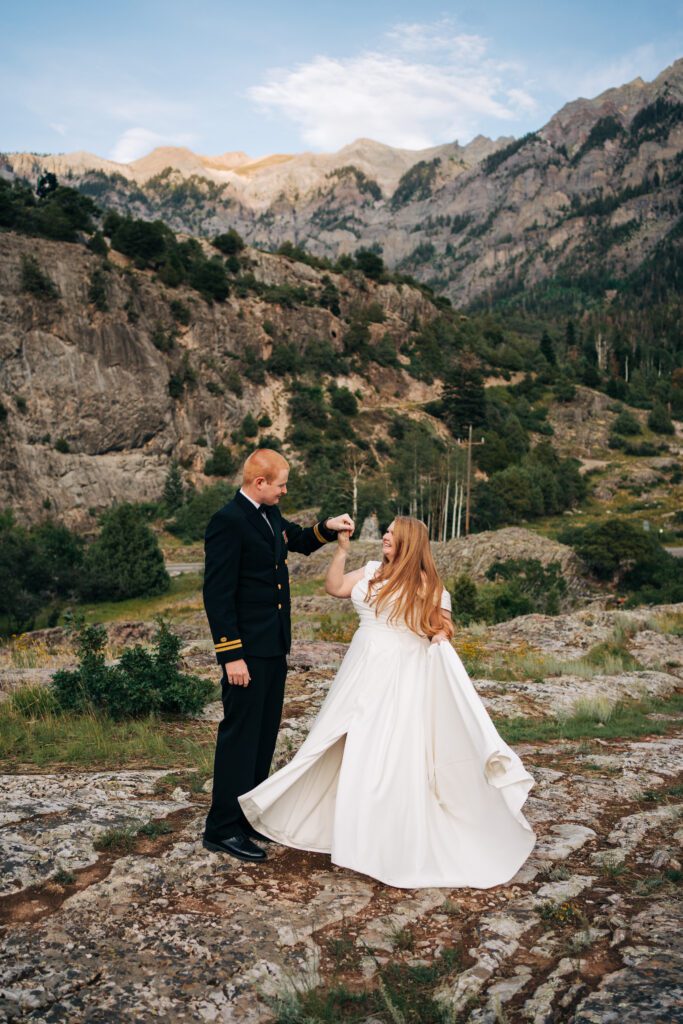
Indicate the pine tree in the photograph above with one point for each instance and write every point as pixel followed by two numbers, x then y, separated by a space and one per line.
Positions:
pixel 125 560
pixel 464 400
pixel 173 489
pixel 547 349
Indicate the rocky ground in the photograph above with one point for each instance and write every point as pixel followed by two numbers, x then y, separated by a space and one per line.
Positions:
pixel 106 917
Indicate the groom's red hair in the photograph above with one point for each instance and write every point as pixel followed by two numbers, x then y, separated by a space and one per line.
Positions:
pixel 265 462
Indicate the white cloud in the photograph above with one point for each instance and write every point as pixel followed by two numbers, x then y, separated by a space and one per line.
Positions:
pixel 137 142
pixel 428 85
pixel 59 128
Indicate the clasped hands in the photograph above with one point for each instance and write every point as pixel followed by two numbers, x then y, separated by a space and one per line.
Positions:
pixel 237 671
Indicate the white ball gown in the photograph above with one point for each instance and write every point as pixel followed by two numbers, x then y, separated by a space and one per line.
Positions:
pixel 403 776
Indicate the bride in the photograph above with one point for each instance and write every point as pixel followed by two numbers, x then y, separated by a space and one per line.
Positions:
pixel 403 776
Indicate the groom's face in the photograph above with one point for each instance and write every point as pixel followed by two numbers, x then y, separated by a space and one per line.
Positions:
pixel 270 493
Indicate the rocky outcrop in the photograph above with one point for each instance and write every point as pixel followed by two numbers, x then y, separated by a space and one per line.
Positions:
pixel 90 419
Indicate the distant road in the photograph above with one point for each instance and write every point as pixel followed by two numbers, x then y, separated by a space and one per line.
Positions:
pixel 178 568
pixel 676 552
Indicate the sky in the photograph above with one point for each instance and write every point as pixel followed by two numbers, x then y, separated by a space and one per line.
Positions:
pixel 120 78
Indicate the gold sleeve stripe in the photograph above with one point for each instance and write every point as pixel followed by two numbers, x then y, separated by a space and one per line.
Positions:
pixel 231 646
pixel 316 531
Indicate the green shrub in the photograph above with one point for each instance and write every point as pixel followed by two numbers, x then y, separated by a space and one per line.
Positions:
pixel 125 560
pixel 193 517
pixel 284 359
pixel 163 340
pixel 210 280
pixel 626 423
pixel 464 599
pixel 180 312
pixel 221 463
pixel 98 245
pixel 143 683
pixel 370 264
pixel 62 445
pixel 329 296
pixel 230 242
pixel 659 420
pixel 35 280
pixel 517 587
pixel 344 401
pixel 623 553
pixel 249 426
pixel 97 290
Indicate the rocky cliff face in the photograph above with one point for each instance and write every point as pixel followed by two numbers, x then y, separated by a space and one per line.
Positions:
pixel 97 383
pixel 595 190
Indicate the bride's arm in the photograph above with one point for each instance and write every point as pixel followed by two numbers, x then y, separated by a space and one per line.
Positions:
pixel 337 582
pixel 442 621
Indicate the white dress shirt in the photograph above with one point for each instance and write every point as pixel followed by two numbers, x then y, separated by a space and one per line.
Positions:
pixel 260 508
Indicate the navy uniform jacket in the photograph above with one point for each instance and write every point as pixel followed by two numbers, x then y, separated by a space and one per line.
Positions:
pixel 246 580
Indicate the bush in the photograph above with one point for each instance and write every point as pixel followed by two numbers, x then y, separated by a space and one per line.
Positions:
pixel 221 462
pixel 98 245
pixel 249 426
pixel 344 401
pixel 180 312
pixel 518 587
pixel 284 359
pixel 35 280
pixel 623 553
pixel 143 683
pixel 125 560
pixel 370 264
pixel 659 420
pixel 62 445
pixel 192 518
pixel 230 242
pixel 529 586
pixel 97 291
pixel 210 280
pixel 37 567
pixel 464 599
pixel 626 423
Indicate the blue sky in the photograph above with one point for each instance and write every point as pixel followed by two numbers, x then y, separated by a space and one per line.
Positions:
pixel 264 77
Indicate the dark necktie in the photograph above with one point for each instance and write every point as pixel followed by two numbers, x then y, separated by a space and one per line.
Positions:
pixel 262 510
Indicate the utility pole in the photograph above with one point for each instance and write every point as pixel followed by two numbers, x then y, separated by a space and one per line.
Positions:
pixel 470 444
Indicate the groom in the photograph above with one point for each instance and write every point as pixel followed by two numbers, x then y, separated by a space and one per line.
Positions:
pixel 246 597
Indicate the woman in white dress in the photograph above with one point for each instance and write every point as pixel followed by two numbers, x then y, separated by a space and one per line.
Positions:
pixel 403 776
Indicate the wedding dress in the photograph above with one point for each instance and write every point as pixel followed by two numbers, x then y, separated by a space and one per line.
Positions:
pixel 403 776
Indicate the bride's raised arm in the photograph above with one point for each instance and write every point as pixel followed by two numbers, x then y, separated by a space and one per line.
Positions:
pixel 337 582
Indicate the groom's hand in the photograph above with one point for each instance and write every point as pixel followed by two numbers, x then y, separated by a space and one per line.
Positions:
pixel 238 673
pixel 344 522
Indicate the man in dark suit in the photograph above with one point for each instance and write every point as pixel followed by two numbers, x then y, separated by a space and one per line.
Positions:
pixel 246 596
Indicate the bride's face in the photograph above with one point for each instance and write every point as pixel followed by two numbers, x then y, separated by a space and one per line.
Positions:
pixel 388 543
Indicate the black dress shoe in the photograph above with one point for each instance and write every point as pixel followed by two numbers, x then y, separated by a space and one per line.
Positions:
pixel 239 846
pixel 253 834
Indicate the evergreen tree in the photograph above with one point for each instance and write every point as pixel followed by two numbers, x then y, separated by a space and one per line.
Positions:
pixel 659 420
pixel 464 401
pixel 173 489
pixel 547 350
pixel 125 560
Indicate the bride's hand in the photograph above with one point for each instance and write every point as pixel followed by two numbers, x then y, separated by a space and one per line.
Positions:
pixel 439 638
pixel 344 539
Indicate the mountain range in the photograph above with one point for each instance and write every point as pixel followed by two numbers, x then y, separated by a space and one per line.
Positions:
pixel 594 193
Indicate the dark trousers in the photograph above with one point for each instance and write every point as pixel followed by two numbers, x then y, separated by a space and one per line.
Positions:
pixel 246 741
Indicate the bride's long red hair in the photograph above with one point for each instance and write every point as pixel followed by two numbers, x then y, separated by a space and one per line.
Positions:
pixel 411 581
